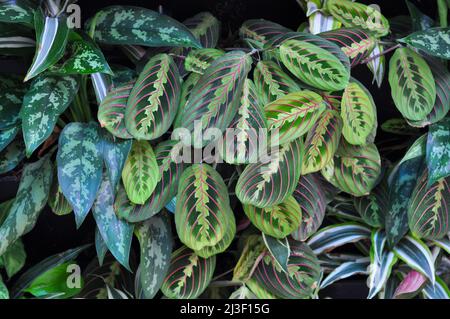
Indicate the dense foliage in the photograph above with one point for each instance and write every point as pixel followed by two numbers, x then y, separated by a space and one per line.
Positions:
pixel 141 147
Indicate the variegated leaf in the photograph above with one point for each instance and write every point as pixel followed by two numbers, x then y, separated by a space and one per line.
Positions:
pixel 155 239
pixel 140 174
pixel 412 84
pixel 256 32
pixel 205 27
pixel 111 111
pixel 7 136
pixel 410 286
pixel 251 255
pixel 314 66
pixel 203 207
pixel 80 166
pixel 116 232
pixel 31 198
pixel 345 270
pixel 310 195
pixel 279 249
pixel 10 104
pixel 153 101
pixel 294 114
pixel 165 190
pixel 433 41
pixel 12 155
pixel 269 183
pixel 399 126
pixel 377 64
pixel 52 34
pixel 17 11
pixel 358 113
pixel 380 270
pixel 47 98
pixel 186 89
pixel 56 200
pixel 438 151
pixel 258 290
pixel 302 279
pixel 248 127
pixel 188 275
pixel 272 82
pixel 374 207
pixel 199 60
pixel 439 290
pixel 214 99
pixel 322 142
pixel 140 26
pixel 278 220
pixel 353 14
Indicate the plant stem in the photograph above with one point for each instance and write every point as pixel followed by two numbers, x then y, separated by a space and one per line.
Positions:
pixel 443 13
pixel 381 54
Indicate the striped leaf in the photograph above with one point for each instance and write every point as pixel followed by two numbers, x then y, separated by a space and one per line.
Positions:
pixel 116 233
pixel 300 282
pixel 380 270
pixel 433 41
pixel 314 66
pixel 47 98
pixel 374 207
pixel 310 195
pixel 80 166
pixel 353 14
pixel 7 136
pixel 52 34
pixel 155 240
pixel 334 236
pixel 256 32
pixel 410 286
pixel 271 183
pixel 165 190
pixel 31 198
pixel 140 26
pixel 377 64
pixel 248 126
pixel 354 42
pixel 56 200
pixel 259 291
pixel 140 174
pixel 186 89
pixel 203 208
pixel 205 27
pixel 199 60
pixel 17 11
pixel 214 98
pixel 16 42
pixel 277 221
pixel 101 84
pixel 251 254
pixel 358 113
pixel 111 111
pixel 438 151
pixel 444 244
pixel 11 156
pixel 345 270
pixel 355 169
pixel 294 114
pixel 272 82
pixel 188 275
pixel 428 210
pixel 442 105
pixel 322 142
pixel 417 256
pixel 153 101
pixel 439 290
pixel 319 21
pixel 412 84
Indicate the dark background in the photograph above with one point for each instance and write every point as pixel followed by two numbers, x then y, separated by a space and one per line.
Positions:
pixel 54 234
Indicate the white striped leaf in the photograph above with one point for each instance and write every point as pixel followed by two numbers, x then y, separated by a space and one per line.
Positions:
pixel 378 243
pixel 153 101
pixel 439 290
pixel 443 243
pixel 140 174
pixel 380 270
pixel 270 183
pixel 377 64
pixel 345 270
pixel 417 256
pixel 334 236
pixel 16 42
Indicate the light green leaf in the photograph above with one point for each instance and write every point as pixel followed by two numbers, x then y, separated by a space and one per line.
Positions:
pixel 14 258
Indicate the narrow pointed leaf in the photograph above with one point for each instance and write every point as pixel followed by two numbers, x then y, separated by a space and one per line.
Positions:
pixel 379 272
pixel 347 269
pixel 279 249
pixel 439 290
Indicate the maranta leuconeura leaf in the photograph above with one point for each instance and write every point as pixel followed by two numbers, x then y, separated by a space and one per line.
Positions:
pixel 153 101
pixel 322 142
pixel 399 126
pixel 17 11
pixel 188 275
pixel 200 59
pixel 302 280
pixel 310 195
pixel 374 207
pixel 256 32
pixel 272 82
pixel 214 99
pixel 140 174
pixel 47 98
pixel 354 42
pixel 31 198
pixel 80 165
pixel 354 169
pixel 205 27
pixel 359 114
pixel 353 14
pixel 274 179
pixel 140 26
pixel 165 190
pixel 203 207
pixel 253 249
pixel 428 209
pixel 314 66
pixel 155 240
pixel 186 89
pixel 294 114
pixel 111 111
pixel 412 84
pixel 433 41
pixel 249 130
pixel 277 221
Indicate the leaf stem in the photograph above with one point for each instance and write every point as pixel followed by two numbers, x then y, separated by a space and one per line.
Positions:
pixel 365 61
